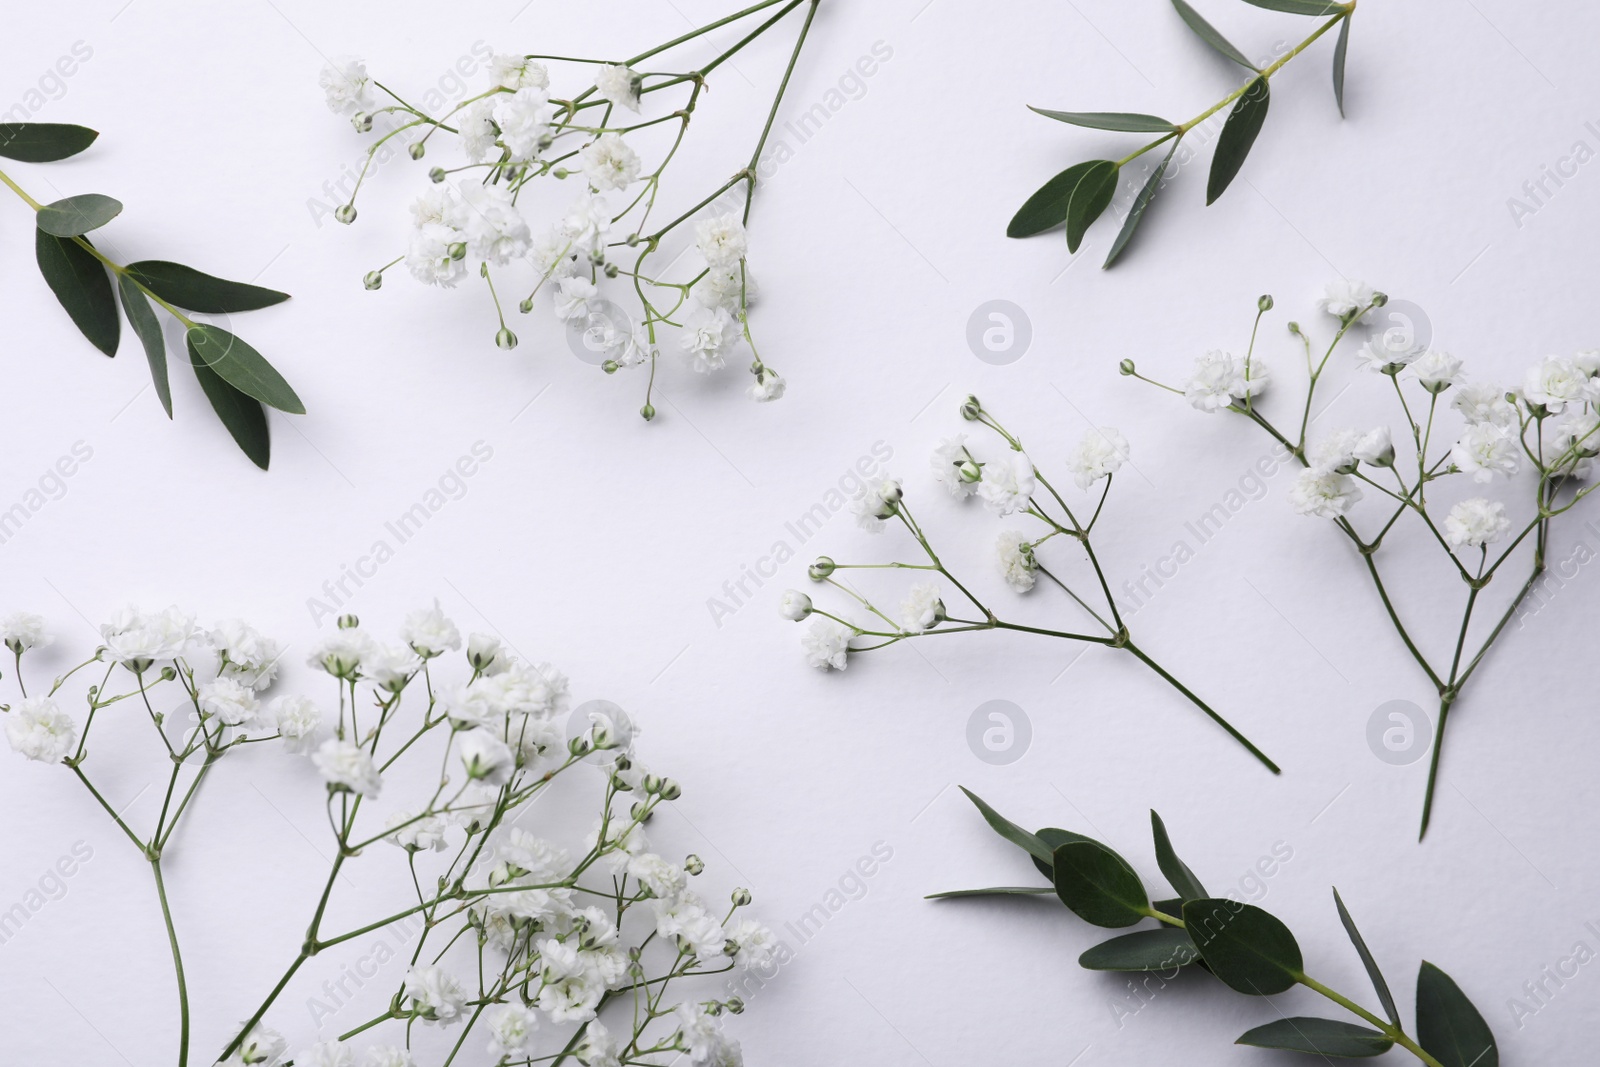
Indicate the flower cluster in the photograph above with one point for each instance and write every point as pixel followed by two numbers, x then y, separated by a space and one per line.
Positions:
pixel 595 247
pixel 536 943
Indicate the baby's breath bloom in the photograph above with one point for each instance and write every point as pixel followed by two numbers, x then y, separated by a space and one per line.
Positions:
pixel 391 667
pixel 1554 383
pixel 485 757
pixel 417 833
pixel 1485 450
pixel 1220 379
pixel 922 609
pixel 1099 454
pixel 1436 370
pixel 40 730
pixel 1007 484
pixel 341 653
pixel 137 639
pixel 707 333
pixel 434 995
pixel 229 701
pixel 496 232
pixel 245 653
pixel 1476 522
pixel 347 767
pixel 757 944
pixel 617 84
pixel 875 504
pixel 609 163
pixel 511 1027
pixel 1343 297
pixel 1014 552
pixel 524 121
pixel 478 133
pixel 518 72
pixel 1325 493
pixel 598 1048
pixel 428 632
pixel 298 721
pixel 827 644
pixel 387 1056
pixel 954 467
pixel 22 630
pixel 326 1054
pixel 721 240
pixel 346 84
pixel 261 1047
pixel 1484 403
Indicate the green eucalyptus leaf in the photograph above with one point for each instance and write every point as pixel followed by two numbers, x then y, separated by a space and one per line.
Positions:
pixel 82 285
pixel 148 328
pixel 1378 983
pixel 1136 212
pixel 241 367
pixel 1324 1037
pixel 244 417
pixel 1210 36
pixel 1089 199
pixel 1246 947
pixel 1165 949
pixel 1053 839
pixel 1448 1026
pixel 1237 137
pixel 1339 51
pixel 77 215
pixel 197 291
pixel 1300 7
pixel 1123 121
pixel 1176 871
pixel 997 891
pixel 43 142
pixel 1047 207
pixel 1098 885
pixel 1008 829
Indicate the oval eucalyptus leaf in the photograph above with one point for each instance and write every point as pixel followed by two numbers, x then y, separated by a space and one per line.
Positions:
pixel 1448 1026
pixel 1378 983
pixel 148 328
pixel 1098 885
pixel 1210 36
pixel 1053 839
pixel 1339 50
pixel 1177 872
pixel 1008 829
pixel 1237 137
pixel 241 367
pixel 244 417
pixel 1123 121
pixel 997 891
pixel 197 291
pixel 1089 199
pixel 1165 949
pixel 1324 1037
pixel 77 215
pixel 1047 207
pixel 1300 7
pixel 1136 212
pixel 82 285
pixel 1246 947
pixel 43 142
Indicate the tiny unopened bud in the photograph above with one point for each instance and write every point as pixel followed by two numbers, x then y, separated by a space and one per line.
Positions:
pixel 345 213
pixel 597 256
pixel 578 746
pixel 418 150
pixel 821 569
pixel 795 605
pixel 168 674
pixel 647 412
pixel 458 250
pixel 373 279
pixel 1294 328
pixel 735 1005
pixel 741 897
pixel 652 784
pixel 694 864
pixel 632 240
pixel 1379 299
pixel 436 175
pixel 670 790
pixel 610 366
pixel 612 270
pixel 505 339
pixel 969 472
pixel 637 812
pixel 560 172
pixel 1126 366
pixel 1265 303
pixel 348 622
pixel 361 121
pixel 971 408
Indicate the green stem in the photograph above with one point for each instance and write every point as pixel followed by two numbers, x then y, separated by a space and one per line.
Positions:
pixel 1392 1032
pixel 1202 705
pixel 177 965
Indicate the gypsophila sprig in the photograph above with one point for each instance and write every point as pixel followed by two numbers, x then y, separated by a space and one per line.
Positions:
pixel 1011 487
pixel 580 249
pixel 236 379
pixel 1245 947
pixel 525 948
pixel 1541 438
pixel 1079 195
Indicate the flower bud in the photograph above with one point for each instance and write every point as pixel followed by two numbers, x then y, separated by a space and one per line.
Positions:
pixel 373 279
pixel 612 270
pixel 693 864
pixel 418 150
pixel 1294 328
pixel 633 240
pixel 1265 303
pixel 525 305
pixel 647 412
pixel 560 172
pixel 482 651
pixel 741 897
pixel 168 674
pixel 1379 299
pixel 670 790
pixel 458 250
pixel 610 366
pixel 361 121
pixel 1126 366
pixel 821 569
pixel 969 472
pixel 652 784
pixel 637 812
pixel 345 213
pixel 505 339
pixel 971 408
pixel 735 1005
pixel 578 746
pixel 436 175
pixel 348 622
pixel 795 605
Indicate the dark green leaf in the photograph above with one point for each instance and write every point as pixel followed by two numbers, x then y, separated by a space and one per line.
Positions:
pixel 1136 212
pixel 148 328
pixel 1177 873
pixel 1325 1037
pixel 1008 829
pixel 241 367
pixel 1249 949
pixel 77 215
pixel 1448 1026
pixel 1053 839
pixel 1090 197
pixel 197 291
pixel 1210 36
pixel 1378 983
pixel 997 891
pixel 1124 121
pixel 245 418
pixel 1098 885
pixel 43 142
pixel 1048 206
pixel 1339 50
pixel 82 285
pixel 1299 7
pixel 1165 949
pixel 1237 137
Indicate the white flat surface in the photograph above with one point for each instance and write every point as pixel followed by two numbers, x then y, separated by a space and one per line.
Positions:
pixel 594 541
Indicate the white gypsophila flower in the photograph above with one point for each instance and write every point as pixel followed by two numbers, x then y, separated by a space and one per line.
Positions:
pixel 757 944
pixel 609 163
pixel 827 644
pixel 1014 553
pixel 707 332
pixel 1569 441
pixel 511 1027
pixel 1485 450
pixel 434 994
pixel 665 880
pixel 954 467
pixel 245 653
pixel 341 653
pixel 228 700
pixel 1343 297
pixel 476 129
pixel 551 252
pixel 795 605
pixel 486 654
pixel 572 298
pixel 347 86
pixel 517 72
pixel 586 222
pixel 530 688
pixel 429 632
pixel 1476 522
pixel 387 1056
pixel 520 854
pixel 732 287
pixel 390 667
pixel 1007 484
pixel 137 639
pixel 1219 379
pixel 721 240
pixel 1587 361
pixel 1387 353
pixel 617 84
pixel 1100 454
pixel 347 767
pixel 598 1048
pixel 326 1054
pixel 40 730
pixel 431 258
pixel 877 503
pixel 496 231
pixel 1375 447
pixel 629 347
pixel 922 609
pixel 1341 450
pixel 622 839
pixel 261 1047
pixel 1324 493
pixel 524 120
pixel 769 385
pixel 686 920
pixel 1484 403
pixel 1554 383
pixel 534 740
pixel 608 732
pixel 298 721
pixel 22 630
pixel 700 1034
pixel 416 833
pixel 439 205
pixel 1436 370
pixel 485 757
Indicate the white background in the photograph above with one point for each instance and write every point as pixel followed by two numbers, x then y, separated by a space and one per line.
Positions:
pixel 594 541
